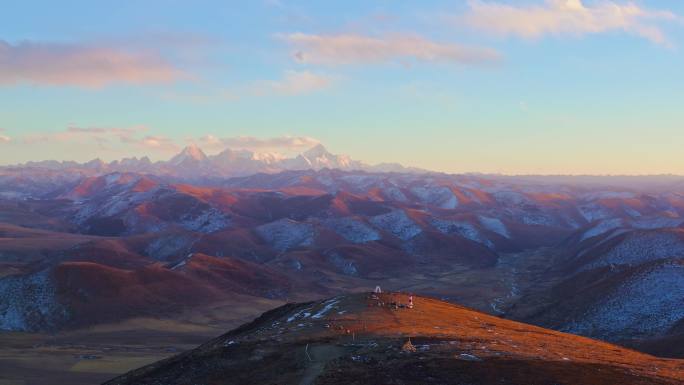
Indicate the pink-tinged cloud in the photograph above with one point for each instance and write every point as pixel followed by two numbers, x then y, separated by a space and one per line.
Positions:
pixel 567 17
pixel 290 84
pixel 158 142
pixel 4 138
pixel 82 134
pixel 360 49
pixel 293 83
pixel 81 65
pixel 279 143
pixel 120 139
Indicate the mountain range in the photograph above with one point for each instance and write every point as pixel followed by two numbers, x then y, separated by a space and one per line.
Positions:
pixel 84 246
pixel 193 164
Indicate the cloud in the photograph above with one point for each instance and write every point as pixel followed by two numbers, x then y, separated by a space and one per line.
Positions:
pixel 158 143
pixel 567 17
pixel 83 65
pixel 106 138
pixel 122 140
pixel 290 84
pixel 358 49
pixel 293 83
pixel 99 134
pixel 4 138
pixel 281 143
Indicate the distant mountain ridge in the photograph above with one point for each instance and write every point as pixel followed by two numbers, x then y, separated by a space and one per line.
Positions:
pixel 193 163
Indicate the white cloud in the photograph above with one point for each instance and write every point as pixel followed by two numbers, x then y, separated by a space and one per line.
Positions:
pixel 279 143
pixel 293 83
pixel 157 142
pixel 4 138
pixel 121 139
pixel 567 17
pixel 83 65
pixel 138 139
pixel 98 134
pixel 360 49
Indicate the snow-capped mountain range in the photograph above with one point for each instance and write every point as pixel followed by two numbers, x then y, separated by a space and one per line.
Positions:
pixel 193 163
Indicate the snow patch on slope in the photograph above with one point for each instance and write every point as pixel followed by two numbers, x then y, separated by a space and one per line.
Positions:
pixel 463 229
pixel 511 198
pixel 29 303
pixel 327 306
pixel 647 305
pixel 602 228
pixel 536 219
pixel 398 224
pixel 345 266
pixel 441 197
pixel 656 223
pixel 285 234
pixel 639 247
pixel 165 247
pixel 594 212
pixel 394 194
pixel 494 225
pixel 352 229
pixel 208 221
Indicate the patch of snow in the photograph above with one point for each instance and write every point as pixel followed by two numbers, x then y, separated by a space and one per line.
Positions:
pixel 345 266
pixel 639 247
pixel 285 234
pixel 632 213
pixel 352 229
pixel 441 196
pixel 536 218
pixel 468 357
pixel 494 225
pixel 296 264
pixel 304 313
pixel 609 195
pixel 328 305
pixel 471 196
pixel 182 262
pixel 111 179
pixel 656 223
pixel 511 198
pixel 29 303
pixel 394 194
pixel 326 180
pixel 610 235
pixel 647 305
pixel 461 228
pixel 360 182
pixel 208 221
pixel 397 223
pixel 594 212
pixel 601 228
pixel 164 247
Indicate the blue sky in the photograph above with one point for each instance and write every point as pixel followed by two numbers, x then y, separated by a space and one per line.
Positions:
pixel 558 86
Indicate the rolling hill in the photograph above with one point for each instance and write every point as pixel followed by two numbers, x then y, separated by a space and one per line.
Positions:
pixel 374 338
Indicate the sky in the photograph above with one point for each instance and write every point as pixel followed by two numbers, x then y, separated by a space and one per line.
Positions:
pixel 492 86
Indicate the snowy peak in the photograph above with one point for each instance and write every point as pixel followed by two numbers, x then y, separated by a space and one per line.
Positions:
pixel 228 156
pixel 192 164
pixel 317 151
pixel 190 154
pixel 319 157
